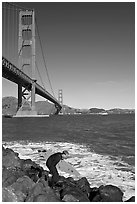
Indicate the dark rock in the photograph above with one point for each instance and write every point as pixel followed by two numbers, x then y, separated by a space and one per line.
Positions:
pixel 23 184
pixel 26 181
pixel 71 190
pixel 94 194
pixel 84 185
pixel 10 159
pixel 41 192
pixel 70 179
pixel 75 192
pixel 9 176
pixel 32 170
pixel 28 164
pixel 132 199
pixel 97 198
pixel 110 193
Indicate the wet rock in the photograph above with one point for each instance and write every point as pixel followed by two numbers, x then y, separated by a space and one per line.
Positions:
pixel 9 176
pixel 94 193
pixel 84 185
pixel 70 189
pixel 8 195
pixel 20 196
pixel 41 192
pixel 75 192
pixel 132 199
pixel 26 181
pixel 10 159
pixel 70 198
pixel 110 193
pixel 28 164
pixel 32 170
pixel 23 184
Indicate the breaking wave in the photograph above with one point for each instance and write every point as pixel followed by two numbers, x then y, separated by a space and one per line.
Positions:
pixel 97 168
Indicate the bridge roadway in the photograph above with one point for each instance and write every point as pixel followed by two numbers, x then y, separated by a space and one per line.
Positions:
pixel 12 73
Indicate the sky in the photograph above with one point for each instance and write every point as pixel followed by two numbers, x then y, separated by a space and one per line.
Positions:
pixel 89 49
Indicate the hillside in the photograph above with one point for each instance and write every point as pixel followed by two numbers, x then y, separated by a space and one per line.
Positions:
pixel 9 107
pixel 96 110
pixel 120 111
pixel 44 107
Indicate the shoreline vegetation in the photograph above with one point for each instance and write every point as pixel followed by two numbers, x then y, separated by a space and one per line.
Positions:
pixel 26 181
pixel 9 108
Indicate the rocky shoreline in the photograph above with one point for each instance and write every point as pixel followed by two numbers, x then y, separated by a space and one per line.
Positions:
pixel 26 181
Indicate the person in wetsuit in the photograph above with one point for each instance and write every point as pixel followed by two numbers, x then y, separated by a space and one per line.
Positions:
pixel 51 163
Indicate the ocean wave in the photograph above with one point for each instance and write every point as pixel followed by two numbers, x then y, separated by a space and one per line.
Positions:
pixel 97 168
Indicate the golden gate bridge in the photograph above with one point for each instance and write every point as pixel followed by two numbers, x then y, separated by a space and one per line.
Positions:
pixel 19 64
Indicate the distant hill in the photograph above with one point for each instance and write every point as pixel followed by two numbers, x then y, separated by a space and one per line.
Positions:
pixel 120 111
pixel 96 110
pixel 9 107
pixel 44 107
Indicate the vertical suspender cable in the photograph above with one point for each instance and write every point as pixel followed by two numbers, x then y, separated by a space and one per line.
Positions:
pixel 14 27
pixel 44 58
pixel 12 35
pixel 3 30
pixel 8 32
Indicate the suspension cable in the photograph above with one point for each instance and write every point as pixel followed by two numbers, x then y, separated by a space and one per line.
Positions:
pixel 40 76
pixel 19 8
pixel 44 58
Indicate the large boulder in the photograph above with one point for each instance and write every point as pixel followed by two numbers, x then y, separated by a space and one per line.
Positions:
pixel 27 164
pixel 108 193
pixel 94 193
pixel 76 193
pixel 17 195
pixel 71 190
pixel 32 170
pixel 9 176
pixel 23 184
pixel 84 185
pixel 8 195
pixel 41 192
pixel 132 199
pixel 10 159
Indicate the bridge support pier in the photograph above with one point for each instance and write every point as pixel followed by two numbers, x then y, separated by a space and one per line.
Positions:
pixel 19 96
pixel 25 107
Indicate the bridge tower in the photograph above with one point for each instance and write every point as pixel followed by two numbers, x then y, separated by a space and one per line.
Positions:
pixel 60 99
pixel 26 60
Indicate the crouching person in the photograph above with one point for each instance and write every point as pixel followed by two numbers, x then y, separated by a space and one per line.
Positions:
pixel 51 163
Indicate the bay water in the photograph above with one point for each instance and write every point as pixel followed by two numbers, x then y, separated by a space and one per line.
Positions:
pixel 101 147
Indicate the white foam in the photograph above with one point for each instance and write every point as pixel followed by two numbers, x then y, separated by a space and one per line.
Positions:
pixel 98 169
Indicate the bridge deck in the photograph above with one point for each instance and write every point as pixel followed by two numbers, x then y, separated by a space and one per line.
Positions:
pixel 12 73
